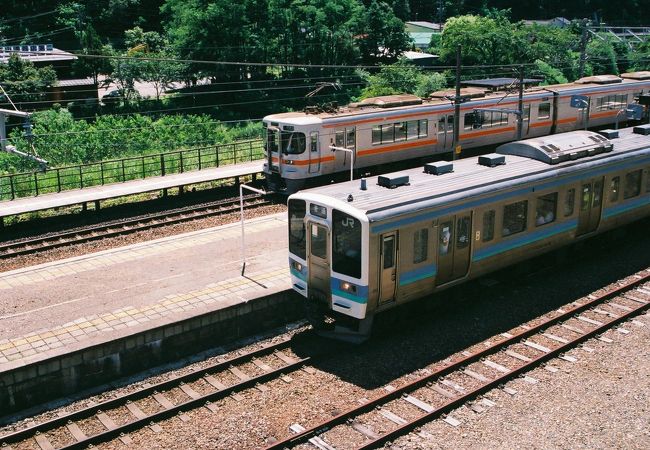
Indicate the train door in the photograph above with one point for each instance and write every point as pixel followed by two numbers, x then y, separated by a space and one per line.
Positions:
pixel 388 267
pixel 445 132
pixel 319 266
pixel 314 152
pixel 591 204
pixel 453 247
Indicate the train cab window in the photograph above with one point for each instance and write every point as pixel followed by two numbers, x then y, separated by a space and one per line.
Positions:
pixel 292 143
pixel 544 111
pixel 297 236
pixel 488 225
pixel 569 201
pixel 545 209
pixel 614 187
pixel 420 245
pixel 632 184
pixel 346 244
pixel 515 216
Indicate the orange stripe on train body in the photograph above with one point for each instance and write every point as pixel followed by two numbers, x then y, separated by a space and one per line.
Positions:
pixel 487 132
pixel 392 148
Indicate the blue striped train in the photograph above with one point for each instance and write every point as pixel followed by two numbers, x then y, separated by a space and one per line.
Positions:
pixel 362 247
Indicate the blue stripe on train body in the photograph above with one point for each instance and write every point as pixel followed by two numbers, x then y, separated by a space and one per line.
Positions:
pixel 361 295
pixel 412 276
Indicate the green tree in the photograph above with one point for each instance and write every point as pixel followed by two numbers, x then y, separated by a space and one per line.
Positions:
pixel 25 83
pixel 384 38
pixel 401 78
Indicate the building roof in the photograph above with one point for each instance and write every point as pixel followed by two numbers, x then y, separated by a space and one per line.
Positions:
pixel 419 55
pixel 75 82
pixel 35 53
pixel 415 26
pixel 500 83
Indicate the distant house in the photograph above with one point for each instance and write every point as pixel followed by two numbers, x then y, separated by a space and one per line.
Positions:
pixel 421 33
pixel 420 58
pixel 558 22
pixel 67 88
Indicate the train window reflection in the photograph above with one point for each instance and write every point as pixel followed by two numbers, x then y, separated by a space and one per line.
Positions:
pixel 420 245
pixel 569 201
pixel 462 233
pixel 598 193
pixel 514 218
pixel 545 209
pixel 632 184
pixel 346 244
pixel 318 241
pixel 488 225
pixel 297 238
pixel 586 197
pixel 614 187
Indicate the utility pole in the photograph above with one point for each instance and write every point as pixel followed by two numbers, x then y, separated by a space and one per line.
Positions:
pixel 520 107
pixel 441 13
pixel 583 47
pixel 456 146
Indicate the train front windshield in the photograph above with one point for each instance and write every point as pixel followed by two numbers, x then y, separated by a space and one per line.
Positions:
pixel 288 142
pixel 346 244
pixel 297 233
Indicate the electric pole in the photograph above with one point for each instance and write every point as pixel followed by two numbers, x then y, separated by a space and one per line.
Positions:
pixel 584 39
pixel 456 147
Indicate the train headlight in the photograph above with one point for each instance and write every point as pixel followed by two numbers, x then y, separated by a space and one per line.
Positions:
pixel 348 287
pixel 297 266
pixel 288 162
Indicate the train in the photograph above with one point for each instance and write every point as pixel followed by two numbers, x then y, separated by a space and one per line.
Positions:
pixel 363 247
pixel 383 130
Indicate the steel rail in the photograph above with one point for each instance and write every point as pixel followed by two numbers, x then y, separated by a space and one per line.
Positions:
pixel 66 238
pixel 346 416
pixel 122 400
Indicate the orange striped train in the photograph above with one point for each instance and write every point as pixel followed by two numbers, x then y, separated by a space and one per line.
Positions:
pixel 384 130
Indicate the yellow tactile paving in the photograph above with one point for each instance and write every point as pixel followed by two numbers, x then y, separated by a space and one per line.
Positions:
pixel 34 343
pixel 108 258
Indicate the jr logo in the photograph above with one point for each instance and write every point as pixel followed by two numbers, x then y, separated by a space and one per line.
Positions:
pixel 348 222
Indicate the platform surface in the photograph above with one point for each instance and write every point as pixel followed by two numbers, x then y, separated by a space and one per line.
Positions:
pixel 91 194
pixel 59 307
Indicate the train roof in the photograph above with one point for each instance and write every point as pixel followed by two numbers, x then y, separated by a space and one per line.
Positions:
pixel 409 102
pixel 514 164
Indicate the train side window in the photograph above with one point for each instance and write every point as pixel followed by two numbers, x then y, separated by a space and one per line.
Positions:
pixel 424 128
pixel 462 232
pixel 545 209
pixel 544 111
pixel 514 218
pixel 420 245
pixel 376 135
pixel 339 138
pixel 350 138
pixel 412 130
pixel 469 120
pixel 614 187
pixel 586 197
pixel 488 225
pixel 400 131
pixel 387 133
pixel 313 141
pixel 442 126
pixel 569 202
pixel 632 184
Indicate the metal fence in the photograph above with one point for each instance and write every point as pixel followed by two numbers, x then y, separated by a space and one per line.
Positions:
pixel 132 168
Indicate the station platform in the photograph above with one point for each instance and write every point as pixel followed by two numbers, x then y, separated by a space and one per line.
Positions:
pixel 109 191
pixel 137 295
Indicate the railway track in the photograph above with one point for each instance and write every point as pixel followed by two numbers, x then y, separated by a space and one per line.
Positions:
pixel 127 226
pixel 457 383
pixel 198 388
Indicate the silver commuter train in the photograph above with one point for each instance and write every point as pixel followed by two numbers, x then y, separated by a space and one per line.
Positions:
pixel 362 247
pixel 386 129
